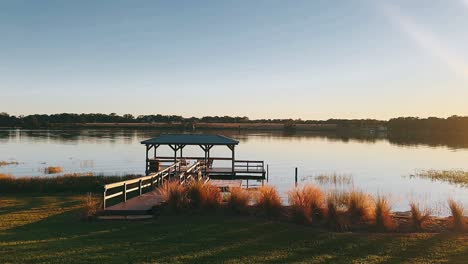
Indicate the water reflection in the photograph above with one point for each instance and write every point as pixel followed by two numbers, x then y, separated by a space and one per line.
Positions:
pixel 376 162
pixel 130 136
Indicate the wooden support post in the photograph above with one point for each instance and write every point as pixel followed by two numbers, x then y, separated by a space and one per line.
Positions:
pixel 104 199
pixel 267 172
pixel 147 161
pixel 125 192
pixel 295 174
pixel 139 186
pixel 247 183
pixel 233 159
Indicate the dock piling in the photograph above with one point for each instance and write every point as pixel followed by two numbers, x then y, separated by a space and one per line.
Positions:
pixel 295 176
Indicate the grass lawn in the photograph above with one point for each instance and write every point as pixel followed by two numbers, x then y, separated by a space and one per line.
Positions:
pixel 48 230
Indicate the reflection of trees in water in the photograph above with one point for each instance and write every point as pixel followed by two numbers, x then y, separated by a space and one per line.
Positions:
pixel 132 136
pixel 454 141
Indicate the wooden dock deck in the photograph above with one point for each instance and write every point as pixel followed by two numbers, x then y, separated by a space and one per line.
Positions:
pixel 138 205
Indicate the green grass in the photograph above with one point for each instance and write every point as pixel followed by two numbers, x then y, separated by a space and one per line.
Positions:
pixel 47 229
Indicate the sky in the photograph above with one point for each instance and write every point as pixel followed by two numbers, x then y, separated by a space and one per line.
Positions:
pixel 261 59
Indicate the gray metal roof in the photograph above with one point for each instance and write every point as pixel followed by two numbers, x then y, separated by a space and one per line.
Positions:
pixel 191 139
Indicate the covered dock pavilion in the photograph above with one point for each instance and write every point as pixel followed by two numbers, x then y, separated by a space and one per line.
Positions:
pixel 239 169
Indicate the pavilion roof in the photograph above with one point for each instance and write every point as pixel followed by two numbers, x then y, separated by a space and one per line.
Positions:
pixel 190 139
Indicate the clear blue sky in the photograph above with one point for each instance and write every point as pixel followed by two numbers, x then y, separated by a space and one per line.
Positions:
pixel 262 59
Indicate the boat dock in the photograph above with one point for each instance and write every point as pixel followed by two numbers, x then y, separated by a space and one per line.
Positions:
pixel 138 196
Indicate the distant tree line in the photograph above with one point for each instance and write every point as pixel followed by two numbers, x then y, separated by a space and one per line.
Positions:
pixel 395 125
pixel 37 121
pixel 453 124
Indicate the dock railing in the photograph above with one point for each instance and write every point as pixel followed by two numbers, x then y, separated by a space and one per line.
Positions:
pixel 123 188
pixel 247 166
pixel 187 174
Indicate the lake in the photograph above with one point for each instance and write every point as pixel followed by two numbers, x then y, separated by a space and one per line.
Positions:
pixel 374 164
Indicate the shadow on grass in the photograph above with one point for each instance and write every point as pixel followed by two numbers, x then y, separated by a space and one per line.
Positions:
pixel 213 238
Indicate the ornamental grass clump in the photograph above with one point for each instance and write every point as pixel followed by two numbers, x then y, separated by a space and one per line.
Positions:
pixel 211 198
pixel 174 195
pixel 458 220
pixel 306 203
pixel 300 207
pixel 239 200
pixel 360 207
pixel 383 217
pixel 203 195
pixel 419 219
pixel 336 219
pixel 268 201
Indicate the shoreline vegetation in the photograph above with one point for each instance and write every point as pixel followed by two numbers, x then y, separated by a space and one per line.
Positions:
pixel 308 205
pixel 344 210
pixel 401 125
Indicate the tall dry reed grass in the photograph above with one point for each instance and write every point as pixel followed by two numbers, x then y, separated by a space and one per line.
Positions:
pixel 306 203
pixel 53 170
pixel 91 205
pixel 268 201
pixel 419 218
pixel 175 196
pixel 239 200
pixel 336 218
pixel 383 217
pixel 360 207
pixel 457 210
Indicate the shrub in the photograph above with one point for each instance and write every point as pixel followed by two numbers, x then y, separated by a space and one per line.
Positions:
pixel 175 196
pixel 239 200
pixel 383 218
pixel 335 218
pixel 360 206
pixel 90 207
pixel 457 215
pixel 268 201
pixel 203 196
pixel 419 219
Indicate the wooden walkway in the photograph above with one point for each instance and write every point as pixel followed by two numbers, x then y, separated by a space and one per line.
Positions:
pixel 138 205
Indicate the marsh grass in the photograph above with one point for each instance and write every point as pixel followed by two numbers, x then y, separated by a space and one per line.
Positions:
pixel 383 217
pixel 53 170
pixel 360 207
pixel 238 200
pixel 334 179
pixel 458 177
pixel 70 183
pixel 7 163
pixel 91 205
pixel 268 201
pixel 419 218
pixel 457 210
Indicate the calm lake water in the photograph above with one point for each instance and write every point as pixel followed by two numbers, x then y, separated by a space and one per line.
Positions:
pixel 371 164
